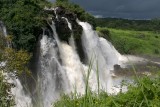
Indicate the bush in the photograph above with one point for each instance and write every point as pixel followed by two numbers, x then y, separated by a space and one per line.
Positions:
pixel 6 99
pixel 24 19
pixel 14 61
pixel 104 32
pixel 80 12
pixel 144 92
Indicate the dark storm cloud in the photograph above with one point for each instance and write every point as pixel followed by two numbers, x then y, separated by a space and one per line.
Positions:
pixel 139 9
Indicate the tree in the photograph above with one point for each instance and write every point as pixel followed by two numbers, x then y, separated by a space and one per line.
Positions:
pixel 24 20
pixel 10 61
pixel 14 60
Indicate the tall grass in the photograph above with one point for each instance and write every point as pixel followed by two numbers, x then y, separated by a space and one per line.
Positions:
pixel 144 92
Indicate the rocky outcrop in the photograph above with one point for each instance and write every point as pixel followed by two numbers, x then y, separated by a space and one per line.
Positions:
pixel 61 24
pixel 58 15
pixel 62 29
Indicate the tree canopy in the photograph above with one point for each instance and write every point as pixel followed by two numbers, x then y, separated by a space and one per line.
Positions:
pixel 24 19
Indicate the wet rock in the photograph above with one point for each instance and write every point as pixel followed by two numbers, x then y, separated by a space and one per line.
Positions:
pixel 62 29
pixel 71 16
pixel 60 11
pixel 117 67
pixel 61 25
pixel 49 11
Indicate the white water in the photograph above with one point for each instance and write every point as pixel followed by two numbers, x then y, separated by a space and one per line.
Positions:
pixel 4 31
pixel 52 76
pixel 103 55
pixel 21 99
pixel 61 71
pixel 3 28
pixel 69 24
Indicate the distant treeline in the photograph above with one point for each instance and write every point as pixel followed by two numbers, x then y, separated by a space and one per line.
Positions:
pixel 119 23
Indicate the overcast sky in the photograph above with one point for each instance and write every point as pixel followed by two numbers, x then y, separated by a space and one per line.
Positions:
pixel 134 9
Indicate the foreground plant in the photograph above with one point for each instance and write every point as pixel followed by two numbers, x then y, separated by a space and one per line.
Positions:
pixel 143 93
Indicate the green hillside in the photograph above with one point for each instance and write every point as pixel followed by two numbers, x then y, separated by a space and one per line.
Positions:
pixel 133 42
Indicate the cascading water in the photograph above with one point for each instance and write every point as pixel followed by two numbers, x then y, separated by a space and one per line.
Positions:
pixel 61 71
pixel 3 28
pixel 51 75
pixel 95 45
pixel 103 54
pixel 21 99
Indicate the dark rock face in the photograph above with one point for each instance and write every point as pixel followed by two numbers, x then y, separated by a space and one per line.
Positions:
pixel 1 28
pixel 117 67
pixel 60 11
pixel 61 24
pixel 62 28
pixel 70 16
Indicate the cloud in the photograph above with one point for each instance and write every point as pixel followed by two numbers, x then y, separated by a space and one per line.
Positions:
pixel 140 9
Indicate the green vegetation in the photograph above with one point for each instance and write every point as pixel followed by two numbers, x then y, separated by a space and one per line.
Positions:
pixel 145 92
pixel 24 19
pixel 76 9
pixel 140 25
pixel 6 99
pixel 14 61
pixel 133 42
pixel 142 92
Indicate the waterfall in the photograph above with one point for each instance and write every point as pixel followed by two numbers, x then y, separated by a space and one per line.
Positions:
pixel 71 40
pixel 20 97
pixel 102 54
pixel 3 28
pixel 51 74
pixel 60 69
pixel 69 24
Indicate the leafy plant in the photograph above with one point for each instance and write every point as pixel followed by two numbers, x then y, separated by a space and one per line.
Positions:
pixel 24 19
pixel 144 92
pixel 6 99
pixel 76 9
pixel 10 61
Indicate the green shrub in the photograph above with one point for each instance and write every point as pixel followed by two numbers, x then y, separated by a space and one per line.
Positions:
pixel 80 12
pixel 104 32
pixel 144 92
pixel 6 99
pixel 24 19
